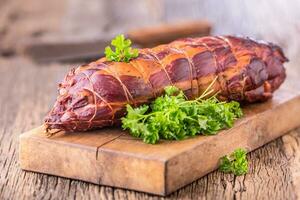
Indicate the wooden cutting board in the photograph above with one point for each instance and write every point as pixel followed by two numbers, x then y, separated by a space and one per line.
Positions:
pixel 112 157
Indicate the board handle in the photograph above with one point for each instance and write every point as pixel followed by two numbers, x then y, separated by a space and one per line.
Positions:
pixel 165 33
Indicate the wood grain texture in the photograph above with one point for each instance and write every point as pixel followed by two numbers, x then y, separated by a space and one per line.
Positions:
pixel 112 157
pixel 27 96
pixel 292 148
pixel 27 92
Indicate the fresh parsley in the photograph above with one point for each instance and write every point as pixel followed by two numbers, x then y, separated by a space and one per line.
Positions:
pixel 122 51
pixel 173 117
pixel 235 163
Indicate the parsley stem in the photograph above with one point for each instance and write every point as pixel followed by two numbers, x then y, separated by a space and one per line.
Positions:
pixel 173 116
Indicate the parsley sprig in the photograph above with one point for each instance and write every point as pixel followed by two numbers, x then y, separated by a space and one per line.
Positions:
pixel 235 163
pixel 173 117
pixel 122 51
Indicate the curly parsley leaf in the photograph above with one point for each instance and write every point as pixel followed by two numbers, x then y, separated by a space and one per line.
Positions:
pixel 122 51
pixel 173 117
pixel 171 90
pixel 235 163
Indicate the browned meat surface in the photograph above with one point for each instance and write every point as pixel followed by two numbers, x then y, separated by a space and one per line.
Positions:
pixel 95 95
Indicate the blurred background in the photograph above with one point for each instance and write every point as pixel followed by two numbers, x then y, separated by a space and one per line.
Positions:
pixel 77 30
pixel 40 40
pixel 39 28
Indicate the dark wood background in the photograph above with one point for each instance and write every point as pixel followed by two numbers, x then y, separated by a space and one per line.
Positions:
pixel 28 89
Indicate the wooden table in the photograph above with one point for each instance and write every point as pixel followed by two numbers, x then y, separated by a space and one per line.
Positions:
pixel 27 92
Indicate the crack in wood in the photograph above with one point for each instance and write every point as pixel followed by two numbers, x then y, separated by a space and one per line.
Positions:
pixel 107 142
pixel 17 116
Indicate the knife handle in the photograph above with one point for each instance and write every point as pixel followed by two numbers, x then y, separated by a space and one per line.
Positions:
pixel 165 33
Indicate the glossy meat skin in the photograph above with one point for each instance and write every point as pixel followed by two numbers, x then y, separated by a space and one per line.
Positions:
pixel 95 95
